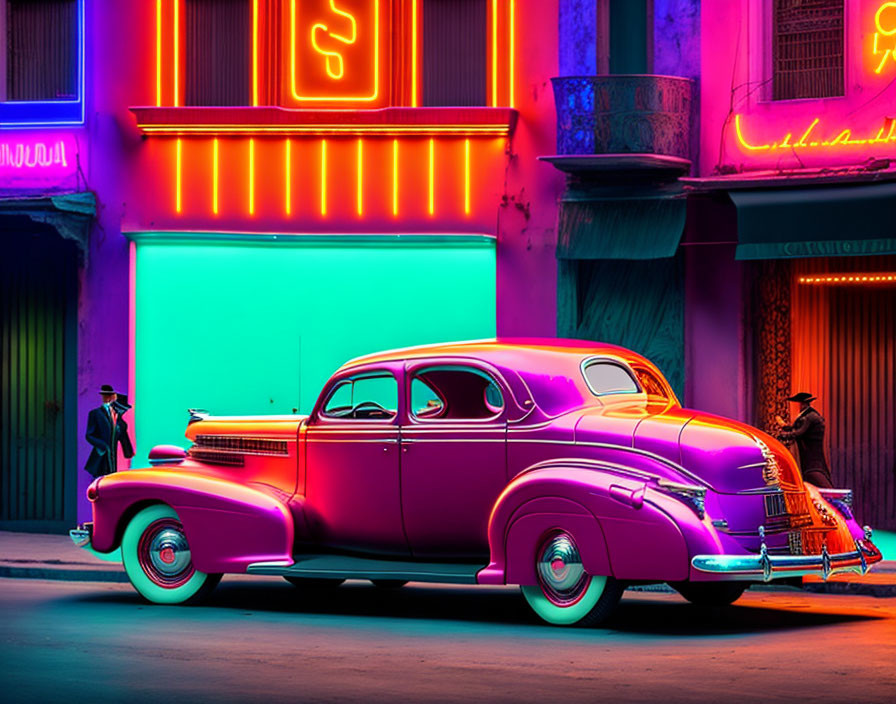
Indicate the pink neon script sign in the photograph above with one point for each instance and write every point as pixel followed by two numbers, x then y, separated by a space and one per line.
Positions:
pixel 19 155
pixel 45 162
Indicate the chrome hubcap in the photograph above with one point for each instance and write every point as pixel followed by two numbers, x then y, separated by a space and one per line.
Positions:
pixel 169 552
pixel 560 572
pixel 164 553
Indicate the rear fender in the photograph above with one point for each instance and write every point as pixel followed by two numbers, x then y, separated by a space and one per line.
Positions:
pixel 619 530
pixel 228 525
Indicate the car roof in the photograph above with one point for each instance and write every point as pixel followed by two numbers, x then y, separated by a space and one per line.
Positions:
pixel 505 351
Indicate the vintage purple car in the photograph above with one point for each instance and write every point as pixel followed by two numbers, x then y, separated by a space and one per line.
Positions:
pixel 566 467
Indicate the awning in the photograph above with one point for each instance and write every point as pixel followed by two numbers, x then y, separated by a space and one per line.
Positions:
pixel 646 227
pixel 828 221
pixel 70 213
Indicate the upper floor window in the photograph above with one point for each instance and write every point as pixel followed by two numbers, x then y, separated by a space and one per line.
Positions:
pixel 807 49
pixel 454 52
pixel 41 62
pixel 218 52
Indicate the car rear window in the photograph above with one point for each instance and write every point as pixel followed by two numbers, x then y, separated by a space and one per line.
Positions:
pixel 609 378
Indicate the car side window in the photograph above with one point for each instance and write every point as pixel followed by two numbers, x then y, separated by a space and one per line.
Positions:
pixel 372 396
pixel 454 393
pixel 605 377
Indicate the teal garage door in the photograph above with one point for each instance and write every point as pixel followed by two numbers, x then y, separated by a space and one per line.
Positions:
pixel 257 327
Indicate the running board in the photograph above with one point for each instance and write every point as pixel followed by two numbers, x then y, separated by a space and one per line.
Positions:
pixel 348 567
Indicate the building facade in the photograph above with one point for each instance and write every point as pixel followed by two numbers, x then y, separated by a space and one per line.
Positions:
pixel 267 188
pixel 213 203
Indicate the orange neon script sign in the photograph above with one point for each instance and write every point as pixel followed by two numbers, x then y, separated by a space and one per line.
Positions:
pixel 885 35
pixel 811 137
pixel 334 50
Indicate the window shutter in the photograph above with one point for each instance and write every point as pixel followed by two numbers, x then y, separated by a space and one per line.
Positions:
pixel 42 45
pixel 218 52
pixel 808 49
pixel 454 52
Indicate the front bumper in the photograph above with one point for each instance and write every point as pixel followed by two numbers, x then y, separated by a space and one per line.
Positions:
pixel 766 567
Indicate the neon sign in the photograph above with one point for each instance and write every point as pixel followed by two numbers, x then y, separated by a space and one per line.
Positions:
pixel 888 34
pixel 29 156
pixel 39 161
pixel 334 52
pixel 807 140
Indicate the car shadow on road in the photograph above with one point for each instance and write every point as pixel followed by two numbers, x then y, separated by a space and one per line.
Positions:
pixel 659 615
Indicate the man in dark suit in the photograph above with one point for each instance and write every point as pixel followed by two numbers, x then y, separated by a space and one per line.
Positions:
pixel 807 430
pixel 105 429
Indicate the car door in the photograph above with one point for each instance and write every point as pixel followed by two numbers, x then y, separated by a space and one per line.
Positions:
pixel 453 459
pixel 352 464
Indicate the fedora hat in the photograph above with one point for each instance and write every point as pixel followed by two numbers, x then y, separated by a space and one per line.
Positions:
pixel 802 397
pixel 107 389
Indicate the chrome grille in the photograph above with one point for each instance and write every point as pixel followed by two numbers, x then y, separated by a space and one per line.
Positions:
pixel 244 445
pixel 216 456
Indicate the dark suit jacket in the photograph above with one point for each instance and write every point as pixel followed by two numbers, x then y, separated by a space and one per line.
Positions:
pixel 103 457
pixel 808 433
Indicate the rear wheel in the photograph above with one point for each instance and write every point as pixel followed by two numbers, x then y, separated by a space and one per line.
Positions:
pixel 711 593
pixel 157 559
pixel 566 595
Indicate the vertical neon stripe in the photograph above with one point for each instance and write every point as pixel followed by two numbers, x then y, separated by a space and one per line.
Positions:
pixel 251 177
pixel 178 179
pixel 432 177
pixel 360 177
pixel 494 53
pixel 467 176
pixel 255 53
pixel 395 177
pixel 414 53
pixel 176 52
pixel 323 177
pixel 158 54
pixel 288 179
pixel 512 49
pixel 132 322
pixel 215 177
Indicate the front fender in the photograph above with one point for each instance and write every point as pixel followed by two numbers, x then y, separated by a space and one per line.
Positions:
pixel 228 525
pixel 622 537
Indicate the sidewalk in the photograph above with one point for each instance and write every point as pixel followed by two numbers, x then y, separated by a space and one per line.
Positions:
pixel 40 556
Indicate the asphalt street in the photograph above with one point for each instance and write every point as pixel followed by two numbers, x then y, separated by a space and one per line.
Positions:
pixel 264 640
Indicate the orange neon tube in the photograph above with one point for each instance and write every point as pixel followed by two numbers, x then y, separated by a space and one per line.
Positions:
pixel 494 53
pixel 467 176
pixel 158 53
pixel 215 177
pixel 360 177
pixel 395 177
pixel 178 180
pixel 414 53
pixel 323 177
pixel 288 179
pixel 255 53
pixel 512 49
pixel 251 177
pixel 432 179
pixel 177 52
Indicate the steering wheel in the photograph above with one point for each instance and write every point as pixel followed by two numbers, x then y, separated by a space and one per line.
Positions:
pixel 372 408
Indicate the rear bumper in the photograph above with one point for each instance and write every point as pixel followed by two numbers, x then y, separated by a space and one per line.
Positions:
pixel 767 567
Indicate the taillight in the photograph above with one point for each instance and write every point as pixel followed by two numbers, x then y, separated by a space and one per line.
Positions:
pixel 93 489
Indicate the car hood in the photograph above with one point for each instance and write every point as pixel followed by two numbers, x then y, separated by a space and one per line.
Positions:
pixel 726 454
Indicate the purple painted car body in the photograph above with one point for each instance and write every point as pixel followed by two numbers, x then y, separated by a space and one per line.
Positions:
pixel 567 467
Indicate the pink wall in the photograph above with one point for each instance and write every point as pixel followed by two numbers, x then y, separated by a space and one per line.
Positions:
pixel 735 65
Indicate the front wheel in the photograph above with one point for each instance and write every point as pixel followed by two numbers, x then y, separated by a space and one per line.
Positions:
pixel 566 595
pixel 157 559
